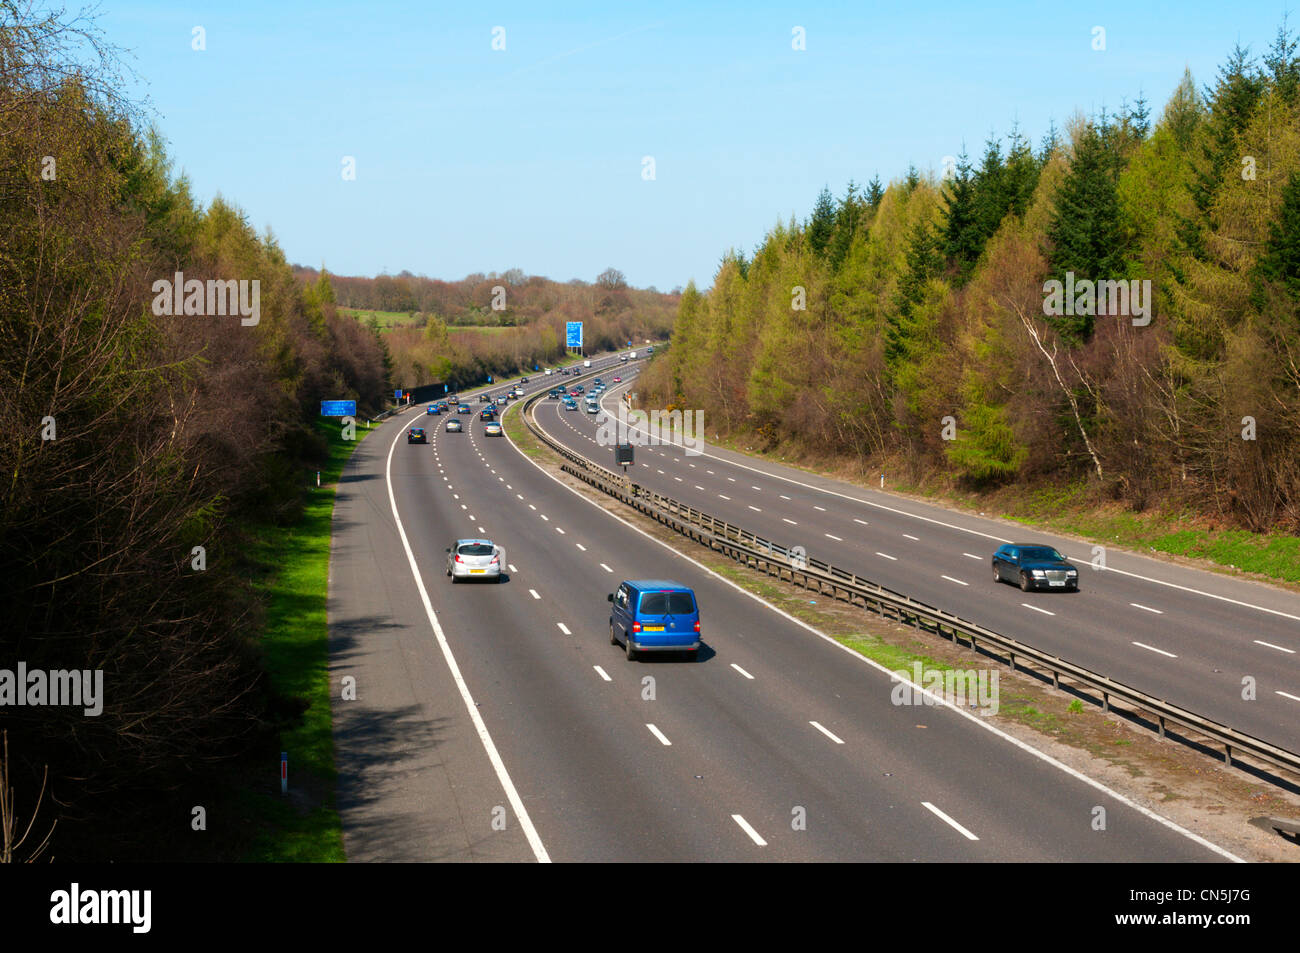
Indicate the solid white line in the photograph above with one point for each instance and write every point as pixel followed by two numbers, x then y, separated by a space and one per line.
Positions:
pixel 606 568
pixel 958 581
pixel 564 628
pixel 861 659
pixel 887 556
pixel 1036 609
pixel 503 776
pixel 658 734
pixel 534 593
pixel 1152 648
pixel 838 741
pixel 601 672
pixel 1278 647
pixel 741 670
pixel 1294 698
pixel 1146 608
pixel 948 820
pixel 753 834
pixel 836 538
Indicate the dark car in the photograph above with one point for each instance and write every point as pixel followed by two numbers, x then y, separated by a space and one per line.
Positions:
pixel 651 615
pixel 463 409
pixel 416 435
pixel 523 380
pixel 487 413
pixel 1034 566
pixel 433 409
pixel 485 398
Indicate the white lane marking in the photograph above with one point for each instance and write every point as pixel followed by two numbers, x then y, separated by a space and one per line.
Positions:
pixel 512 567
pixel 534 593
pixel 1152 648
pixel 601 672
pixel 753 834
pixel 759 488
pixel 860 659
pixel 822 508
pixel 741 671
pixel 958 581
pixel 1036 609
pixel 520 495
pixel 863 522
pixel 464 507
pixel 1294 698
pixel 606 568
pixel 834 738
pixel 784 497
pixel 732 479
pixel 788 520
pixel 1278 647
pixel 948 820
pixel 724 497
pixel 560 531
pixel 1146 608
pixel 454 496
pixel 754 508
pixel 473 518
pixel 564 628
pixel 658 734
pixel 580 546
pixel 710 472
pixel 544 516
pixel 531 507
pixel 678 479
pixel 910 536
pixel 836 538
pixel 972 556
pixel 494 756
pixel 661 471
pixel 698 487
pixel 887 556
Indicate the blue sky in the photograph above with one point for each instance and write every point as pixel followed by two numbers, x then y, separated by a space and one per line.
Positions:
pixel 470 159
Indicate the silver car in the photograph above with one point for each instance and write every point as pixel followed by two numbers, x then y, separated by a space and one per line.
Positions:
pixel 475 559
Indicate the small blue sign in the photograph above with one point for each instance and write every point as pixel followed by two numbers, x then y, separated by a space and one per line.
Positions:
pixel 397 395
pixel 573 334
pixel 444 388
pixel 338 408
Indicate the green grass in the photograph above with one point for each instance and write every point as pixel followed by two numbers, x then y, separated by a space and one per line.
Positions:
pixel 385 319
pixel 305 827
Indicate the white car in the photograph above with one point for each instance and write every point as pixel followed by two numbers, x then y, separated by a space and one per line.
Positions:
pixel 475 559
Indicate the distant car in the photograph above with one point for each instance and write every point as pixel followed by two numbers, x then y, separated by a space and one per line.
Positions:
pixel 475 559
pixel 453 425
pixel 487 413
pixel 651 615
pixel 593 407
pixel 453 398
pixel 553 394
pixel 618 380
pixel 462 409
pixel 492 430
pixel 485 398
pixel 650 350
pixel 502 402
pixel 570 404
pixel 623 358
pixel 519 392
pixel 1034 567
pixel 523 380
pixel 565 372
pixel 433 409
pixel 417 435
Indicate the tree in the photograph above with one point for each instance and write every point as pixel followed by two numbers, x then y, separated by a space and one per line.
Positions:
pixel 611 279
pixel 1280 262
pixel 821 226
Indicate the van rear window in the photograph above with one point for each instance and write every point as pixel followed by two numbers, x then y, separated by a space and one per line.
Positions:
pixel 667 603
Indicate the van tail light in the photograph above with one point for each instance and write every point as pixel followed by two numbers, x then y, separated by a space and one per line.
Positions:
pixel 697 626
pixel 636 626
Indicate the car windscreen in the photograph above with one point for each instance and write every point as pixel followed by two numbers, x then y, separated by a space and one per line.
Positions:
pixel 667 603
pixel 476 549
pixel 1041 554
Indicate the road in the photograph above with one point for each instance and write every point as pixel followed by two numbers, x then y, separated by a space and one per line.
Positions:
pixel 507 703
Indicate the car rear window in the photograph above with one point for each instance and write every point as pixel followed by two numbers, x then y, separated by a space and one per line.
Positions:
pixel 667 603
pixel 476 549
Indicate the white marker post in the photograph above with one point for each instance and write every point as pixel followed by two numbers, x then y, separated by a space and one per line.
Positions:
pixel 284 772
pixel 318 478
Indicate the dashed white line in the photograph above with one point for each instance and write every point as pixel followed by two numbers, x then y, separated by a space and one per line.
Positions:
pixel 658 734
pixel 724 497
pixel 512 567
pixel 534 593
pixel 606 568
pixel 601 672
pixel 1152 648
pixel 863 522
pixel 564 628
pixel 531 507
pixel 560 531
pixel 741 671
pixel 698 487
pixel 834 738
pixel 580 546
pixel 1146 608
pixel 786 519
pixel 822 508
pixel 753 834
pixel 754 508
pixel 784 497
pixel 1036 609
pixel 972 556
pixel 948 820
pixel 544 516
pixel 910 536
pixel 887 556
pixel 1280 648
pixel 836 538
pixel 759 488
pixel 958 581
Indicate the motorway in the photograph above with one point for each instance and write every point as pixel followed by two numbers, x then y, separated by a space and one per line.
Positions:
pixel 1184 635
pixel 496 722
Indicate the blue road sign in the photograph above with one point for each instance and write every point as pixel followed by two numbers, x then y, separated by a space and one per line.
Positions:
pixel 444 388
pixel 338 408
pixel 573 334
pixel 397 395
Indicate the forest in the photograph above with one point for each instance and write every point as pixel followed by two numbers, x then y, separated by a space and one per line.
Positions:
pixel 920 327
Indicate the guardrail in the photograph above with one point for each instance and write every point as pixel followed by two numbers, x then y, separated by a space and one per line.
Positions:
pixel 777 560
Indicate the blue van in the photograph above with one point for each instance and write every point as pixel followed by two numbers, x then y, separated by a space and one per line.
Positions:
pixel 651 615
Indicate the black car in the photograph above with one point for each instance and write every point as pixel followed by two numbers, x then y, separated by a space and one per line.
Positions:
pixel 487 413
pixel 463 409
pixel 416 435
pixel 1034 566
